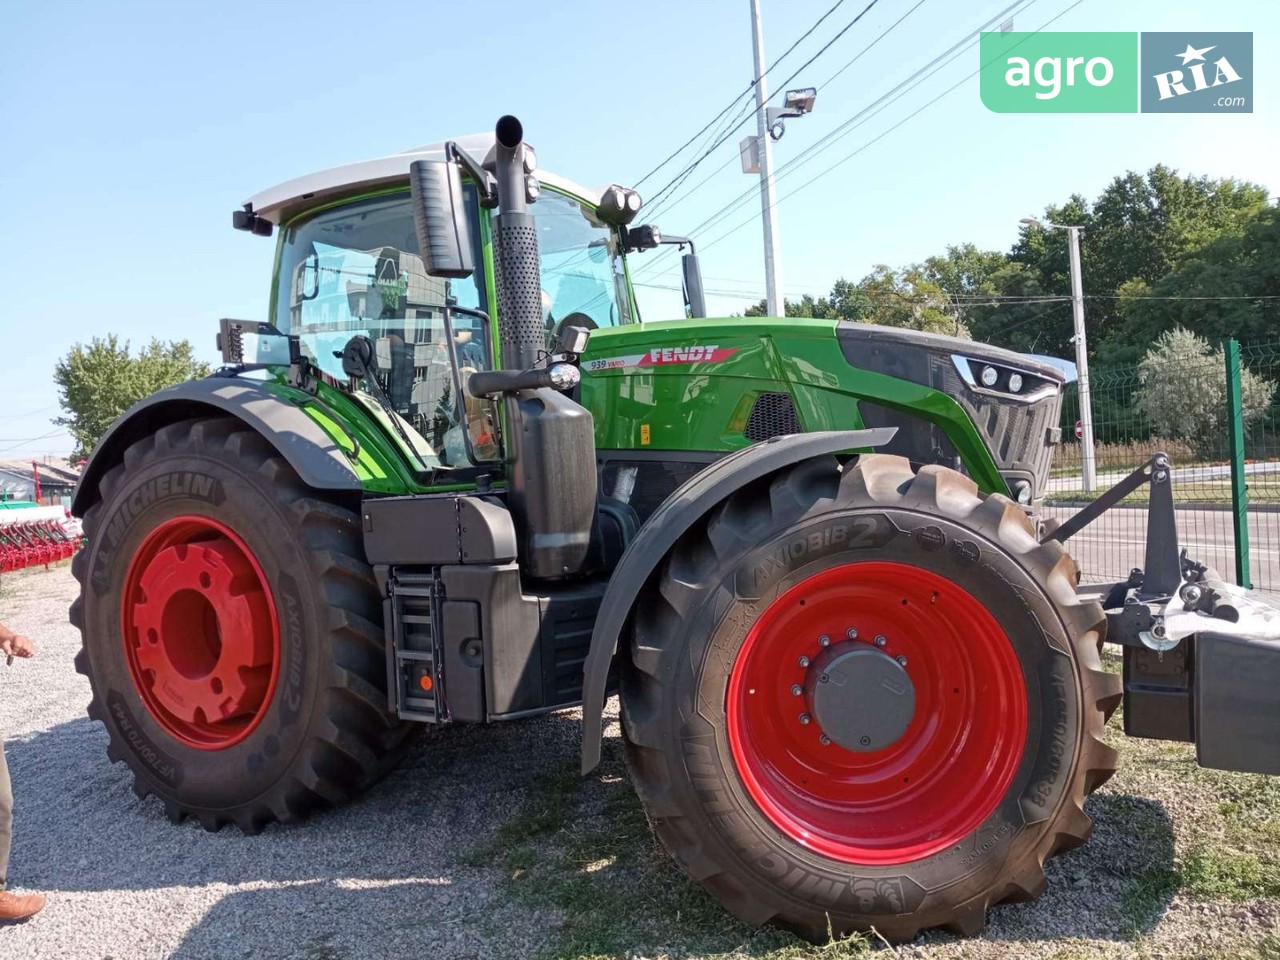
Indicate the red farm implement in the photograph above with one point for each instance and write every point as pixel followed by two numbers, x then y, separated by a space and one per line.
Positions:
pixel 32 536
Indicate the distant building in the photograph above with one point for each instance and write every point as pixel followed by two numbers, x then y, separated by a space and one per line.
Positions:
pixel 18 481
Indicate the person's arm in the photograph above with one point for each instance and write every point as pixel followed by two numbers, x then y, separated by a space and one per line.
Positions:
pixel 15 644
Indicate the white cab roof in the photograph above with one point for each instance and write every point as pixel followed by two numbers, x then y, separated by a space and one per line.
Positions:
pixel 283 201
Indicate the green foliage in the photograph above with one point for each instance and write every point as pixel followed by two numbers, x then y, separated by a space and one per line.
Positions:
pixel 1150 240
pixel 1182 391
pixel 906 298
pixel 99 382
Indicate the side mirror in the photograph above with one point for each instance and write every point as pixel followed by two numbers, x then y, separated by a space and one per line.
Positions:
pixel 694 299
pixel 440 218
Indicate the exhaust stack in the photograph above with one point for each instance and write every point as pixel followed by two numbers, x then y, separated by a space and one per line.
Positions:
pixel 550 439
pixel 520 325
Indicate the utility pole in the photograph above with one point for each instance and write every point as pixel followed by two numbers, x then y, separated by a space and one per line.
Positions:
pixel 1088 460
pixel 772 268
pixel 1082 362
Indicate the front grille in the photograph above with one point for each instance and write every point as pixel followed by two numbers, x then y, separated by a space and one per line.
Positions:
pixel 772 415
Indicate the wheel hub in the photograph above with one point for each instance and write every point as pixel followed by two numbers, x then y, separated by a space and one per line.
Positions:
pixel 200 632
pixel 917 666
pixel 862 698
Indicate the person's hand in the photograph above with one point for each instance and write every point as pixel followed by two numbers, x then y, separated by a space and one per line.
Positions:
pixel 17 646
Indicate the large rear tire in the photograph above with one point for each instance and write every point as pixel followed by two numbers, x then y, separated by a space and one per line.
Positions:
pixel 965 729
pixel 231 631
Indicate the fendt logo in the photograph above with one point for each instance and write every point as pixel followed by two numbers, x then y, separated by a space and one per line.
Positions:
pixel 1197 73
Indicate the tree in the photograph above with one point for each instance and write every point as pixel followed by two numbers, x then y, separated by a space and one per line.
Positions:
pixel 99 382
pixel 1182 391
pixel 1228 288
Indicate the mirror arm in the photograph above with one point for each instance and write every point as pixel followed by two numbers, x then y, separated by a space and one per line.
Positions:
pixel 485 183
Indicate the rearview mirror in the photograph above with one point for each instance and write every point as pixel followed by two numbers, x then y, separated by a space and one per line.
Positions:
pixel 694 299
pixel 440 218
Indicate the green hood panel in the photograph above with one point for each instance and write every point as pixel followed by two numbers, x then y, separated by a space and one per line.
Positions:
pixel 690 385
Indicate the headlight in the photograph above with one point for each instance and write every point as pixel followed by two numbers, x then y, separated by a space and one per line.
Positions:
pixel 1015 382
pixel 1022 490
pixel 564 375
pixel 989 376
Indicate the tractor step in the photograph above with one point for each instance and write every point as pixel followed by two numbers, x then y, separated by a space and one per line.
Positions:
pixel 411 614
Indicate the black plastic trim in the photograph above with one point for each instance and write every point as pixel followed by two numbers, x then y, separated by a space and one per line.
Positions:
pixel 313 455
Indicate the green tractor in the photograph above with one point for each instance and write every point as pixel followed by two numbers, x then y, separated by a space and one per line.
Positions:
pixel 455 479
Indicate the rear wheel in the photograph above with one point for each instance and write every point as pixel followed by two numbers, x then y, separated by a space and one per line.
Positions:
pixel 866 698
pixel 230 630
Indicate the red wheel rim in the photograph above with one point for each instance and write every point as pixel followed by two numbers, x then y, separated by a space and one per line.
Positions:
pixel 941 778
pixel 201 635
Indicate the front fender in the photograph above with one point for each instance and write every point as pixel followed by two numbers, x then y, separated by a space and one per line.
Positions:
pixel 666 525
pixel 312 453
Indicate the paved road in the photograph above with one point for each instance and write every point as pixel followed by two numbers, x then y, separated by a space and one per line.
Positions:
pixel 1180 475
pixel 1114 544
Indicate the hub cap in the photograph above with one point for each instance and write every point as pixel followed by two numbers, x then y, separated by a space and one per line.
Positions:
pixel 913 737
pixel 200 631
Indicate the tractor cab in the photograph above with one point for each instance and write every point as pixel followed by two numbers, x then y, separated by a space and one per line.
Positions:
pixel 348 263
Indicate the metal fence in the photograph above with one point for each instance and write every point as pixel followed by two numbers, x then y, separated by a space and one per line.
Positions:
pixel 1216 412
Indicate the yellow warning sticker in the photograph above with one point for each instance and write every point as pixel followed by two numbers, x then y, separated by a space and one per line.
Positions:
pixel 644 434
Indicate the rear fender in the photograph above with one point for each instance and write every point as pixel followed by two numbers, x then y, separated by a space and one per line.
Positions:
pixel 666 525
pixel 312 453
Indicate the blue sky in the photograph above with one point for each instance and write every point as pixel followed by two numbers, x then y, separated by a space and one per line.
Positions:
pixel 131 129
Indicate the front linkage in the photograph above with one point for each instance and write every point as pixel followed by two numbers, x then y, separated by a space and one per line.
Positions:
pixel 1201 656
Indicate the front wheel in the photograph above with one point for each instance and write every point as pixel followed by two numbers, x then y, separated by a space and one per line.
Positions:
pixel 866 698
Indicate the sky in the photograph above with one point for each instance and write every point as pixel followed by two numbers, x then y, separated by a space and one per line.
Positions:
pixel 131 130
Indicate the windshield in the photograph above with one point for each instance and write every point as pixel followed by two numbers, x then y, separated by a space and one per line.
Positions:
pixel 583 280
pixel 355 270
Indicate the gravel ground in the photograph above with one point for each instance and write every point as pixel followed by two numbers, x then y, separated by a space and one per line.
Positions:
pixel 486 844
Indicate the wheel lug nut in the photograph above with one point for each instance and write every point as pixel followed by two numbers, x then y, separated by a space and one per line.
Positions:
pixel 851 633
pixel 881 641
pixel 902 661
pixel 804 719
pixel 824 641
pixel 804 661
pixel 796 690
pixel 824 740
pixel 823 679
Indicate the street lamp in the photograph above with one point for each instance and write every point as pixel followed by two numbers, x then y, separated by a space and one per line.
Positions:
pixel 1082 353
pixel 757 157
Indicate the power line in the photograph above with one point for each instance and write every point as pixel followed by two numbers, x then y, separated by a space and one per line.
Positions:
pixel 883 134
pixel 744 116
pixel 15 443
pixel 734 102
pixel 670 200
pixel 876 106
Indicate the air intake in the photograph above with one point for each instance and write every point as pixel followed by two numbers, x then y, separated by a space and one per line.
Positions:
pixel 772 415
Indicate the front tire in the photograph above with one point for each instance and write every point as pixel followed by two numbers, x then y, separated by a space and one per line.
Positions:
pixel 231 631
pixel 866 698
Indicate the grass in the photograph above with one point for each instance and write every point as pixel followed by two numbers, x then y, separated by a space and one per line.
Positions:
pixel 1112 457
pixel 578 855
pixel 582 852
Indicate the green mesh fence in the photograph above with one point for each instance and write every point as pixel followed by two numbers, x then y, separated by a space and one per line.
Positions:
pixel 1178 404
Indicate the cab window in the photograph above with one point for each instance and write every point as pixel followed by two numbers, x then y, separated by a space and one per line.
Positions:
pixel 583 281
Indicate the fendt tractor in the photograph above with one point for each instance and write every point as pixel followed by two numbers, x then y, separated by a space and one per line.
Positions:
pixel 453 478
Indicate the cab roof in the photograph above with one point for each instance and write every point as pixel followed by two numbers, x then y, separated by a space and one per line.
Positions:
pixel 284 201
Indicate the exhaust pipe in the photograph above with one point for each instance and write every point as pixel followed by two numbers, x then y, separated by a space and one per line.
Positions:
pixel 550 439
pixel 520 326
